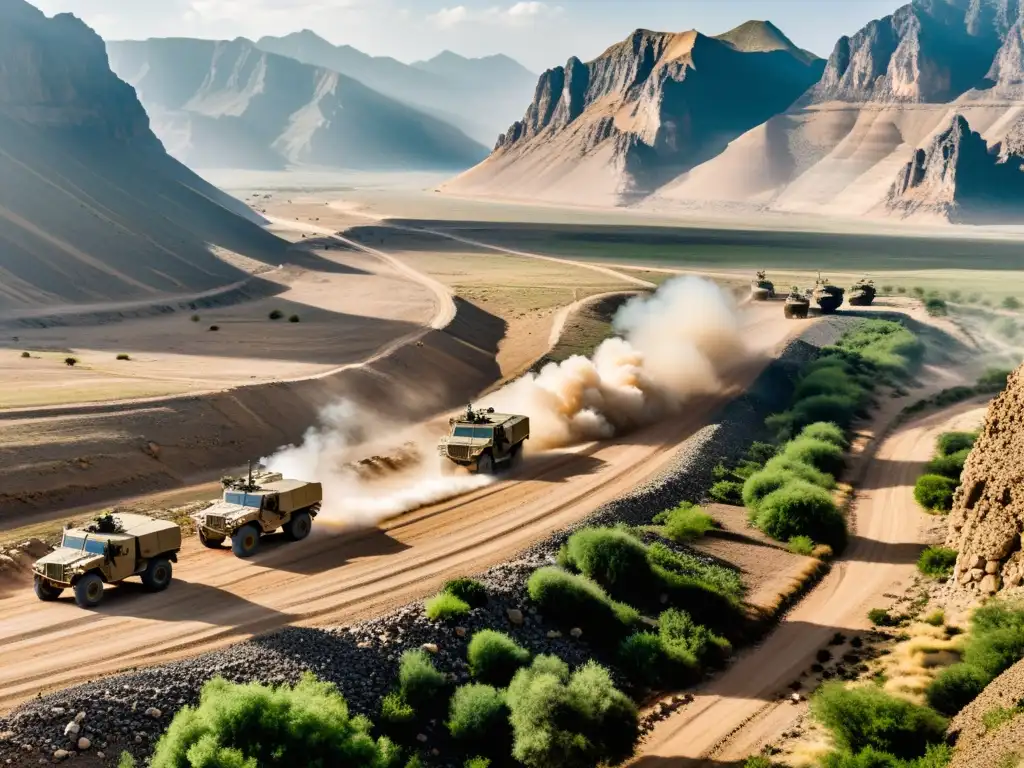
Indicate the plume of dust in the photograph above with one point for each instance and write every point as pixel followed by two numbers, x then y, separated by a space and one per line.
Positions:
pixel 347 433
pixel 673 345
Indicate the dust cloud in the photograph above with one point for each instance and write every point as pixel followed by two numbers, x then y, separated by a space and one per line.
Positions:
pixel 672 345
pixel 346 433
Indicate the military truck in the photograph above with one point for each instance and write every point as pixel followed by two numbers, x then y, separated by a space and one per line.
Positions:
pixel 797 304
pixel 257 504
pixel 485 441
pixel 108 550
pixel 863 292
pixel 828 297
pixel 762 288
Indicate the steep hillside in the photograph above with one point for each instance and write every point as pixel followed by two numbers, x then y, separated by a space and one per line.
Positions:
pixel 230 104
pixel 647 110
pixel 887 91
pixel 478 96
pixel 91 207
pixel 987 520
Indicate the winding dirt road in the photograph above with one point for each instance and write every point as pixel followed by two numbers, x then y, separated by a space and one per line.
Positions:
pixel 739 711
pixel 337 577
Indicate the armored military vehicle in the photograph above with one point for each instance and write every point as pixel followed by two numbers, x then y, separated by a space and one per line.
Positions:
pixel 862 293
pixel 797 304
pixel 108 550
pixel 762 288
pixel 828 297
pixel 484 440
pixel 257 504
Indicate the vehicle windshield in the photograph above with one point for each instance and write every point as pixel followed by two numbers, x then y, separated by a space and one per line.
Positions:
pixel 480 433
pixel 243 499
pixel 77 541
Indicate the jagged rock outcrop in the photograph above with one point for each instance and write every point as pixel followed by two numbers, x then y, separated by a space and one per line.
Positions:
pixel 987 520
pixel 961 179
pixel 478 96
pixel 230 104
pixel 645 111
pixel 92 209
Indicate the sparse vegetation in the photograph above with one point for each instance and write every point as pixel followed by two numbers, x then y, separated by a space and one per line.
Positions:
pixel 293 318
pixel 575 600
pixel 195 318
pixel 936 618
pixel 419 681
pixel 881 618
pixel 494 657
pixel 1010 302
pixel 936 307
pixel 478 717
pixel 955 687
pixel 934 492
pixel 684 523
pixel 26 354
pixel 445 606
pixel 275 314
pixel 937 562
pixel 469 590
pixel 214 327
pixel 124 356
pixel 917 291
pixel 255 724
pixel 70 362
pixel 801 545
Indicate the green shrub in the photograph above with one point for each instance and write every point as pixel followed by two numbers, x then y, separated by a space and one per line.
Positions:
pixel 917 291
pixel 1010 302
pixel 576 600
pixel 396 711
pixel 955 295
pixel 955 687
pixel 937 562
pixel 478 716
pixel 951 466
pixel 576 721
pixel 123 356
pixel 419 682
pixel 214 327
pixel 727 492
pixel 293 318
pixel 881 618
pixel 954 442
pixel 884 344
pixel 937 756
pixel 993 380
pixel 195 318
pixel 607 555
pixel 677 629
pixel 126 760
pixel 936 618
pixel 478 762
pixel 254 724
pixel 445 607
pixel 763 484
pixel 494 657
pixel 722 579
pixel 936 307
pixel 995 651
pixel 830 433
pixel 642 658
pixel 823 456
pixel 275 314
pixel 70 362
pixel 802 509
pixel 902 289
pixel 831 380
pixel 935 492
pixel 757 761
pixel 802 470
pixel 867 716
pixel 468 590
pixel 686 523
pixel 26 354
pixel 837 409
pixel 801 545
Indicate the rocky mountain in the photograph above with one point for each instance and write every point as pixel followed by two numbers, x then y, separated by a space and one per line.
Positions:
pixel 645 111
pixel 958 178
pixel 92 209
pixel 478 96
pixel 887 97
pixel 231 104
pixel 987 520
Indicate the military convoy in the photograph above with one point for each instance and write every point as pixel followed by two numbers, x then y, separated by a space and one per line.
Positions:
pixel 797 305
pixel 110 549
pixel 484 441
pixel 762 288
pixel 256 505
pixel 828 297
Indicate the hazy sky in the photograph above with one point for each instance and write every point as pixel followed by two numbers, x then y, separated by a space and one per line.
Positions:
pixel 539 34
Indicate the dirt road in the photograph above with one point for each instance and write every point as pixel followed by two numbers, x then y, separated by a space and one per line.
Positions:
pixel 336 577
pixel 739 711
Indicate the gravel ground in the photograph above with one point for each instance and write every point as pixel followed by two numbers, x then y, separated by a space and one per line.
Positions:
pixel 131 710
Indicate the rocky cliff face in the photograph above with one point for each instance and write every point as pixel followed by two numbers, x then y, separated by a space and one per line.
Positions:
pixel 646 110
pixel 960 178
pixel 230 104
pixel 987 520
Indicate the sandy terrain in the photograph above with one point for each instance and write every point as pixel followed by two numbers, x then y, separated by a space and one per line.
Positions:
pixel 735 714
pixel 340 575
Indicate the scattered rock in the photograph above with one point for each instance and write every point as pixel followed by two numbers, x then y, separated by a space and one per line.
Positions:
pixel 84 744
pixel 153 712
pixel 576 632
pixel 430 648
pixel 515 616
pixel 61 754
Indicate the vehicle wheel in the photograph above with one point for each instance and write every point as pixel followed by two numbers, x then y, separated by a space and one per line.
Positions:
pixel 89 591
pixel 212 542
pixel 299 526
pixel 485 465
pixel 45 590
pixel 157 576
pixel 246 541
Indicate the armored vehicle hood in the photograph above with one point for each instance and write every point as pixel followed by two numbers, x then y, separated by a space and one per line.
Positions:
pixel 230 511
pixel 68 556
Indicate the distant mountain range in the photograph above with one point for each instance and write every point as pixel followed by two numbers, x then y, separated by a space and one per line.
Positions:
pixel 231 104
pixel 916 114
pixel 92 209
pixel 478 96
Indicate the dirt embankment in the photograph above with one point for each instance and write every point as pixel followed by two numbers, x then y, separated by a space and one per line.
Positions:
pixel 981 745
pixel 117 450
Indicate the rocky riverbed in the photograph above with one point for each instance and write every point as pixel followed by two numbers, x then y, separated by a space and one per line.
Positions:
pixel 129 711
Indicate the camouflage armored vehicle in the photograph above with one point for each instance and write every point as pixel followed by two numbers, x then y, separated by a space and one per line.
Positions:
pixel 484 440
pixel 862 293
pixel 259 504
pixel 762 288
pixel 797 304
pixel 828 297
pixel 106 551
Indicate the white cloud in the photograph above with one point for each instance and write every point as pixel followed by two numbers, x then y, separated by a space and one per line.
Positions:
pixel 209 11
pixel 523 12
